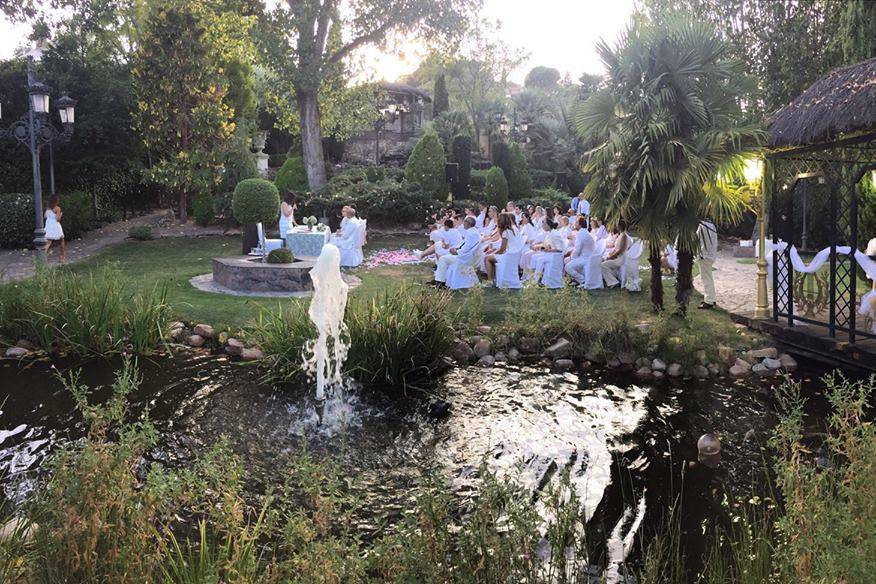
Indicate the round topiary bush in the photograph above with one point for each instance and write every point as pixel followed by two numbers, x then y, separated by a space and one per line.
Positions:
pixel 292 176
pixel 496 188
pixel 16 219
pixel 281 255
pixel 203 209
pixel 426 166
pixel 256 200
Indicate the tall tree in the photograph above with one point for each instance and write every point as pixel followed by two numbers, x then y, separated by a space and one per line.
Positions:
pixel 182 111
pixel 440 98
pixel 667 125
pixel 296 44
pixel 541 77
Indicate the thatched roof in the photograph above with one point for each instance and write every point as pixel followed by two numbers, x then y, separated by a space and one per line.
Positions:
pixel 404 88
pixel 839 104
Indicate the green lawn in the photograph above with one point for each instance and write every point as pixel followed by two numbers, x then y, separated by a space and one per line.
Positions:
pixel 172 262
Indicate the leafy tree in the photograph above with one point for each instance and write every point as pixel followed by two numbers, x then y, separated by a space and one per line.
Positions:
pixel 450 124
pixel 461 154
pixel 182 113
pixel 496 188
pixel 665 135
pixel 306 43
pixel 589 84
pixel 519 181
pixel 502 156
pixel 292 177
pixel 541 77
pixel 426 166
pixel 440 97
pixel 855 34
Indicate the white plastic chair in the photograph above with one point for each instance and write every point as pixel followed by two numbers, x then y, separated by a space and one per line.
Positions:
pixel 266 246
pixel 463 274
pixel 552 271
pixel 508 264
pixel 629 275
pixel 593 268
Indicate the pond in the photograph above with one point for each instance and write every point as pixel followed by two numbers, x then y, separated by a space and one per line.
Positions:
pixel 618 438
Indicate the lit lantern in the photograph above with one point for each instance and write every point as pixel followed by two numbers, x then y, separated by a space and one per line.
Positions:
pixel 66 109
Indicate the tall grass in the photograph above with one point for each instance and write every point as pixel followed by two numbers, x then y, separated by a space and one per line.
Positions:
pixel 395 337
pixel 88 313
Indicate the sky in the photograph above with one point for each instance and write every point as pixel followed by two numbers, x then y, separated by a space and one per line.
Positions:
pixel 556 33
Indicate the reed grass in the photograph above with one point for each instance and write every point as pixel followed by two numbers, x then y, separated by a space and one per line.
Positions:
pixel 84 313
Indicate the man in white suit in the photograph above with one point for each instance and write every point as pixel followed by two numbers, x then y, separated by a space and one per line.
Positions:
pixel 470 242
pixel 581 252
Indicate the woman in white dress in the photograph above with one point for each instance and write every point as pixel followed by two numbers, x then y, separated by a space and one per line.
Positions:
pixel 553 243
pixel 507 230
pixel 54 231
pixel 287 215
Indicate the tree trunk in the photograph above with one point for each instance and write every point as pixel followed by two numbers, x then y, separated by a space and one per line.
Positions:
pixel 183 206
pixel 654 259
pixel 311 138
pixel 684 280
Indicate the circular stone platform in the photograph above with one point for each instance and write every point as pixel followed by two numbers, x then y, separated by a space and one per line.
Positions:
pixel 247 276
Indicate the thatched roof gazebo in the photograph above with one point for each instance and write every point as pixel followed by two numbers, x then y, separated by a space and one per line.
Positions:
pixel 822 149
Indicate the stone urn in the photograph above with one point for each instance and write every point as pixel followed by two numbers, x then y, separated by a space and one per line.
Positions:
pixel 259 139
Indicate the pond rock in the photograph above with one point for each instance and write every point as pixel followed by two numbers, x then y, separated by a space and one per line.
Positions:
pixel 772 364
pixel 486 361
pixel 502 341
pixel 484 329
pixel 737 371
pixel 700 372
pixel 513 354
pixel 760 369
pixel 564 364
pixel 658 365
pixel 562 349
pixel 674 370
pixel 25 344
pixel 626 359
pixel 252 354
pixel 594 357
pixel 743 364
pixel 500 357
pixel 204 330
pixel 758 354
pixel 234 347
pixel 195 341
pixel 482 348
pixel 528 345
pixel 462 353
pixel 644 373
pixel 726 355
pixel 788 362
pixel 16 352
pixel 658 375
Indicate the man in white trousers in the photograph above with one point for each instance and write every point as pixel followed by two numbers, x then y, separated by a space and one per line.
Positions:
pixel 708 237
pixel 470 242
pixel 581 252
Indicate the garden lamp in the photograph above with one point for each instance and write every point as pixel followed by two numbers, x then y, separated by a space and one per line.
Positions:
pixel 39 97
pixel 753 170
pixel 66 109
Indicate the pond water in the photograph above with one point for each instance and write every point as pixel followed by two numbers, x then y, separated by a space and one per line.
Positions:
pixel 618 438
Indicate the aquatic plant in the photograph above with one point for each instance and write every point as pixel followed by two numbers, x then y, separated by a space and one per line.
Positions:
pixel 89 313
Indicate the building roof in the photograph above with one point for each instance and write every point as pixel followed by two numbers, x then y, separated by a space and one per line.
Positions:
pixel 405 88
pixel 840 104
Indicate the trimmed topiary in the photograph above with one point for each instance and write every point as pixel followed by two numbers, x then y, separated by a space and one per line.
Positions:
pixel 496 188
pixel 292 176
pixel 256 200
pixel 461 154
pixel 203 210
pixel 281 255
pixel 519 181
pixel 426 166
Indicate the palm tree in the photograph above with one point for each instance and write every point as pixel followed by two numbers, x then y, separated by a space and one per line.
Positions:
pixel 667 124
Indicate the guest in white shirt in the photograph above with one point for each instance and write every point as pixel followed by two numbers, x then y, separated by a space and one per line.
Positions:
pixel 581 252
pixel 464 252
pixel 708 238
pixel 583 206
pixel 481 216
pixel 597 229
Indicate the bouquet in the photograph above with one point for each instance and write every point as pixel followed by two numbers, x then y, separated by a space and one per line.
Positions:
pixel 311 221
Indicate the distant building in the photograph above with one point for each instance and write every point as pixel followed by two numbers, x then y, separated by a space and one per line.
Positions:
pixel 405 110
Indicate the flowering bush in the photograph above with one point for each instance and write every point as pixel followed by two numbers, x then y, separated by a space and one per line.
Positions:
pixel 16 220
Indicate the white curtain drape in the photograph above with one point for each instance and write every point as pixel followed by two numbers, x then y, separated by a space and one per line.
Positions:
pixel 819 260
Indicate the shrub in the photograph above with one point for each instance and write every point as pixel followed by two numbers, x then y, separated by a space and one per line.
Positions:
pixel 478 182
pixel 548 198
pixel 281 255
pixel 256 201
pixel 223 207
pixel 239 163
pixel 501 156
pixel 16 219
pixel 387 202
pixel 277 160
pixel 449 125
pixel 203 210
pixel 496 188
pixel 88 313
pixel 426 166
pixel 461 154
pixel 395 338
pixel 141 233
pixel 374 173
pixel 519 181
pixel 292 176
pixel 78 212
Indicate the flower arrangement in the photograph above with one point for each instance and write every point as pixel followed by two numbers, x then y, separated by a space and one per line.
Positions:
pixel 311 221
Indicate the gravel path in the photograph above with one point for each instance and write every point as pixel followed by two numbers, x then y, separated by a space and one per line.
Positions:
pixel 19 264
pixel 735 283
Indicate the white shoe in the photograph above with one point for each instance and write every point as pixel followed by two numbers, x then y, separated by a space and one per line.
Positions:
pixel 418 253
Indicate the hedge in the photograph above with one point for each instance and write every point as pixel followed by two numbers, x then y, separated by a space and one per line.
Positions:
pixel 16 219
pixel 203 209
pixel 292 176
pixel 461 154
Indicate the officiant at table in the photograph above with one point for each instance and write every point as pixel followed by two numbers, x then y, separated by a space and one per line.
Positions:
pixel 287 214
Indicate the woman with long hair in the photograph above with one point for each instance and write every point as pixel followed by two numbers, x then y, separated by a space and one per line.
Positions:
pixel 287 215
pixel 505 226
pixel 54 231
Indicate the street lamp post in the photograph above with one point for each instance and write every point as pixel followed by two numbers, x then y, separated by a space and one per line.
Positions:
pixel 35 130
pixel 754 175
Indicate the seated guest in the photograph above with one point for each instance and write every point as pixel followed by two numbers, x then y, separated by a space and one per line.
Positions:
pixel 612 263
pixel 538 216
pixel 506 231
pixel 535 243
pixel 525 228
pixel 347 228
pixel 481 216
pixel 581 252
pixel 435 238
pixel 597 229
pixel 470 243
pixel 553 243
